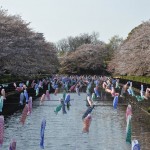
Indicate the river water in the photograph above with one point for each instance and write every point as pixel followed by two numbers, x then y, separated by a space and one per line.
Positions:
pixel 64 131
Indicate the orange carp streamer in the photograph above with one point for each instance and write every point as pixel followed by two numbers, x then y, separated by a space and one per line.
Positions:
pixel 24 114
pixel 86 123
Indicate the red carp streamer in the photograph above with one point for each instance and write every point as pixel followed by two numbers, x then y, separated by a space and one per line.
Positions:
pixel 1 130
pixel 86 123
pixel 128 111
pixel 24 114
pixel 72 88
pixel 19 89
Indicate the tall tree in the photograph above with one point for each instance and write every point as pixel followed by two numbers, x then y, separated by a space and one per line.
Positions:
pixel 70 44
pixel 23 51
pixel 132 57
pixel 113 45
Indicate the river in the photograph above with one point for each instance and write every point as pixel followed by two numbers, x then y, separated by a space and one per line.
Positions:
pixel 64 131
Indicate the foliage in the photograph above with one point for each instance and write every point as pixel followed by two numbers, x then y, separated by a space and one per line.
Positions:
pixel 113 45
pixel 148 109
pixel 132 57
pixel 72 43
pixel 23 51
pixel 86 57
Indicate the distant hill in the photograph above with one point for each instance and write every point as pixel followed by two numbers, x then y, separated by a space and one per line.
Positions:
pixel 24 52
pixel 133 56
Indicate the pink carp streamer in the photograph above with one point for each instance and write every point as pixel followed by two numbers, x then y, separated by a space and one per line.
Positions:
pixel 86 123
pixel 128 111
pixel 42 99
pixel 47 95
pixel 12 145
pixel 3 93
pixel 1 130
pixel 24 114
pixel 29 105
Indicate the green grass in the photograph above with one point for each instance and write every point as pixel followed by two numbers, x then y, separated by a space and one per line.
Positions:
pixel 141 79
pixel 7 78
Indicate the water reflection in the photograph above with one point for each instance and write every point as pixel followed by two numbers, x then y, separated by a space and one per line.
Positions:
pixel 64 131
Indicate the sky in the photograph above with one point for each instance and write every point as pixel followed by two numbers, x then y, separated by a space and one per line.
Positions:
pixel 58 19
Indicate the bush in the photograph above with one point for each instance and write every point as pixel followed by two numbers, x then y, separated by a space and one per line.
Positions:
pixel 148 109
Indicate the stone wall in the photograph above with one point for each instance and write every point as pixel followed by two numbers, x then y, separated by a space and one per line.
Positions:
pixel 140 122
pixel 11 104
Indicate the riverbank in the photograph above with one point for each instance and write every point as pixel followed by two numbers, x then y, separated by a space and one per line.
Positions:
pixel 140 117
pixel 11 104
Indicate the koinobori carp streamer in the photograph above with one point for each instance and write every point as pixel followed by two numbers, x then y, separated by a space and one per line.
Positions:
pixel 86 123
pixel 24 114
pixel 1 130
pixel 43 125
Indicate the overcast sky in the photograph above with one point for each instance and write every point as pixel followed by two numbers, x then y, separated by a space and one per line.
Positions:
pixel 59 19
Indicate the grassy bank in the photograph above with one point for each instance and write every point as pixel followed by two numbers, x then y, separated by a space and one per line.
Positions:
pixel 141 79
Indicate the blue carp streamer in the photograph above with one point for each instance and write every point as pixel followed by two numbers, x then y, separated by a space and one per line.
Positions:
pixel 115 102
pixel 12 145
pixel 43 125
